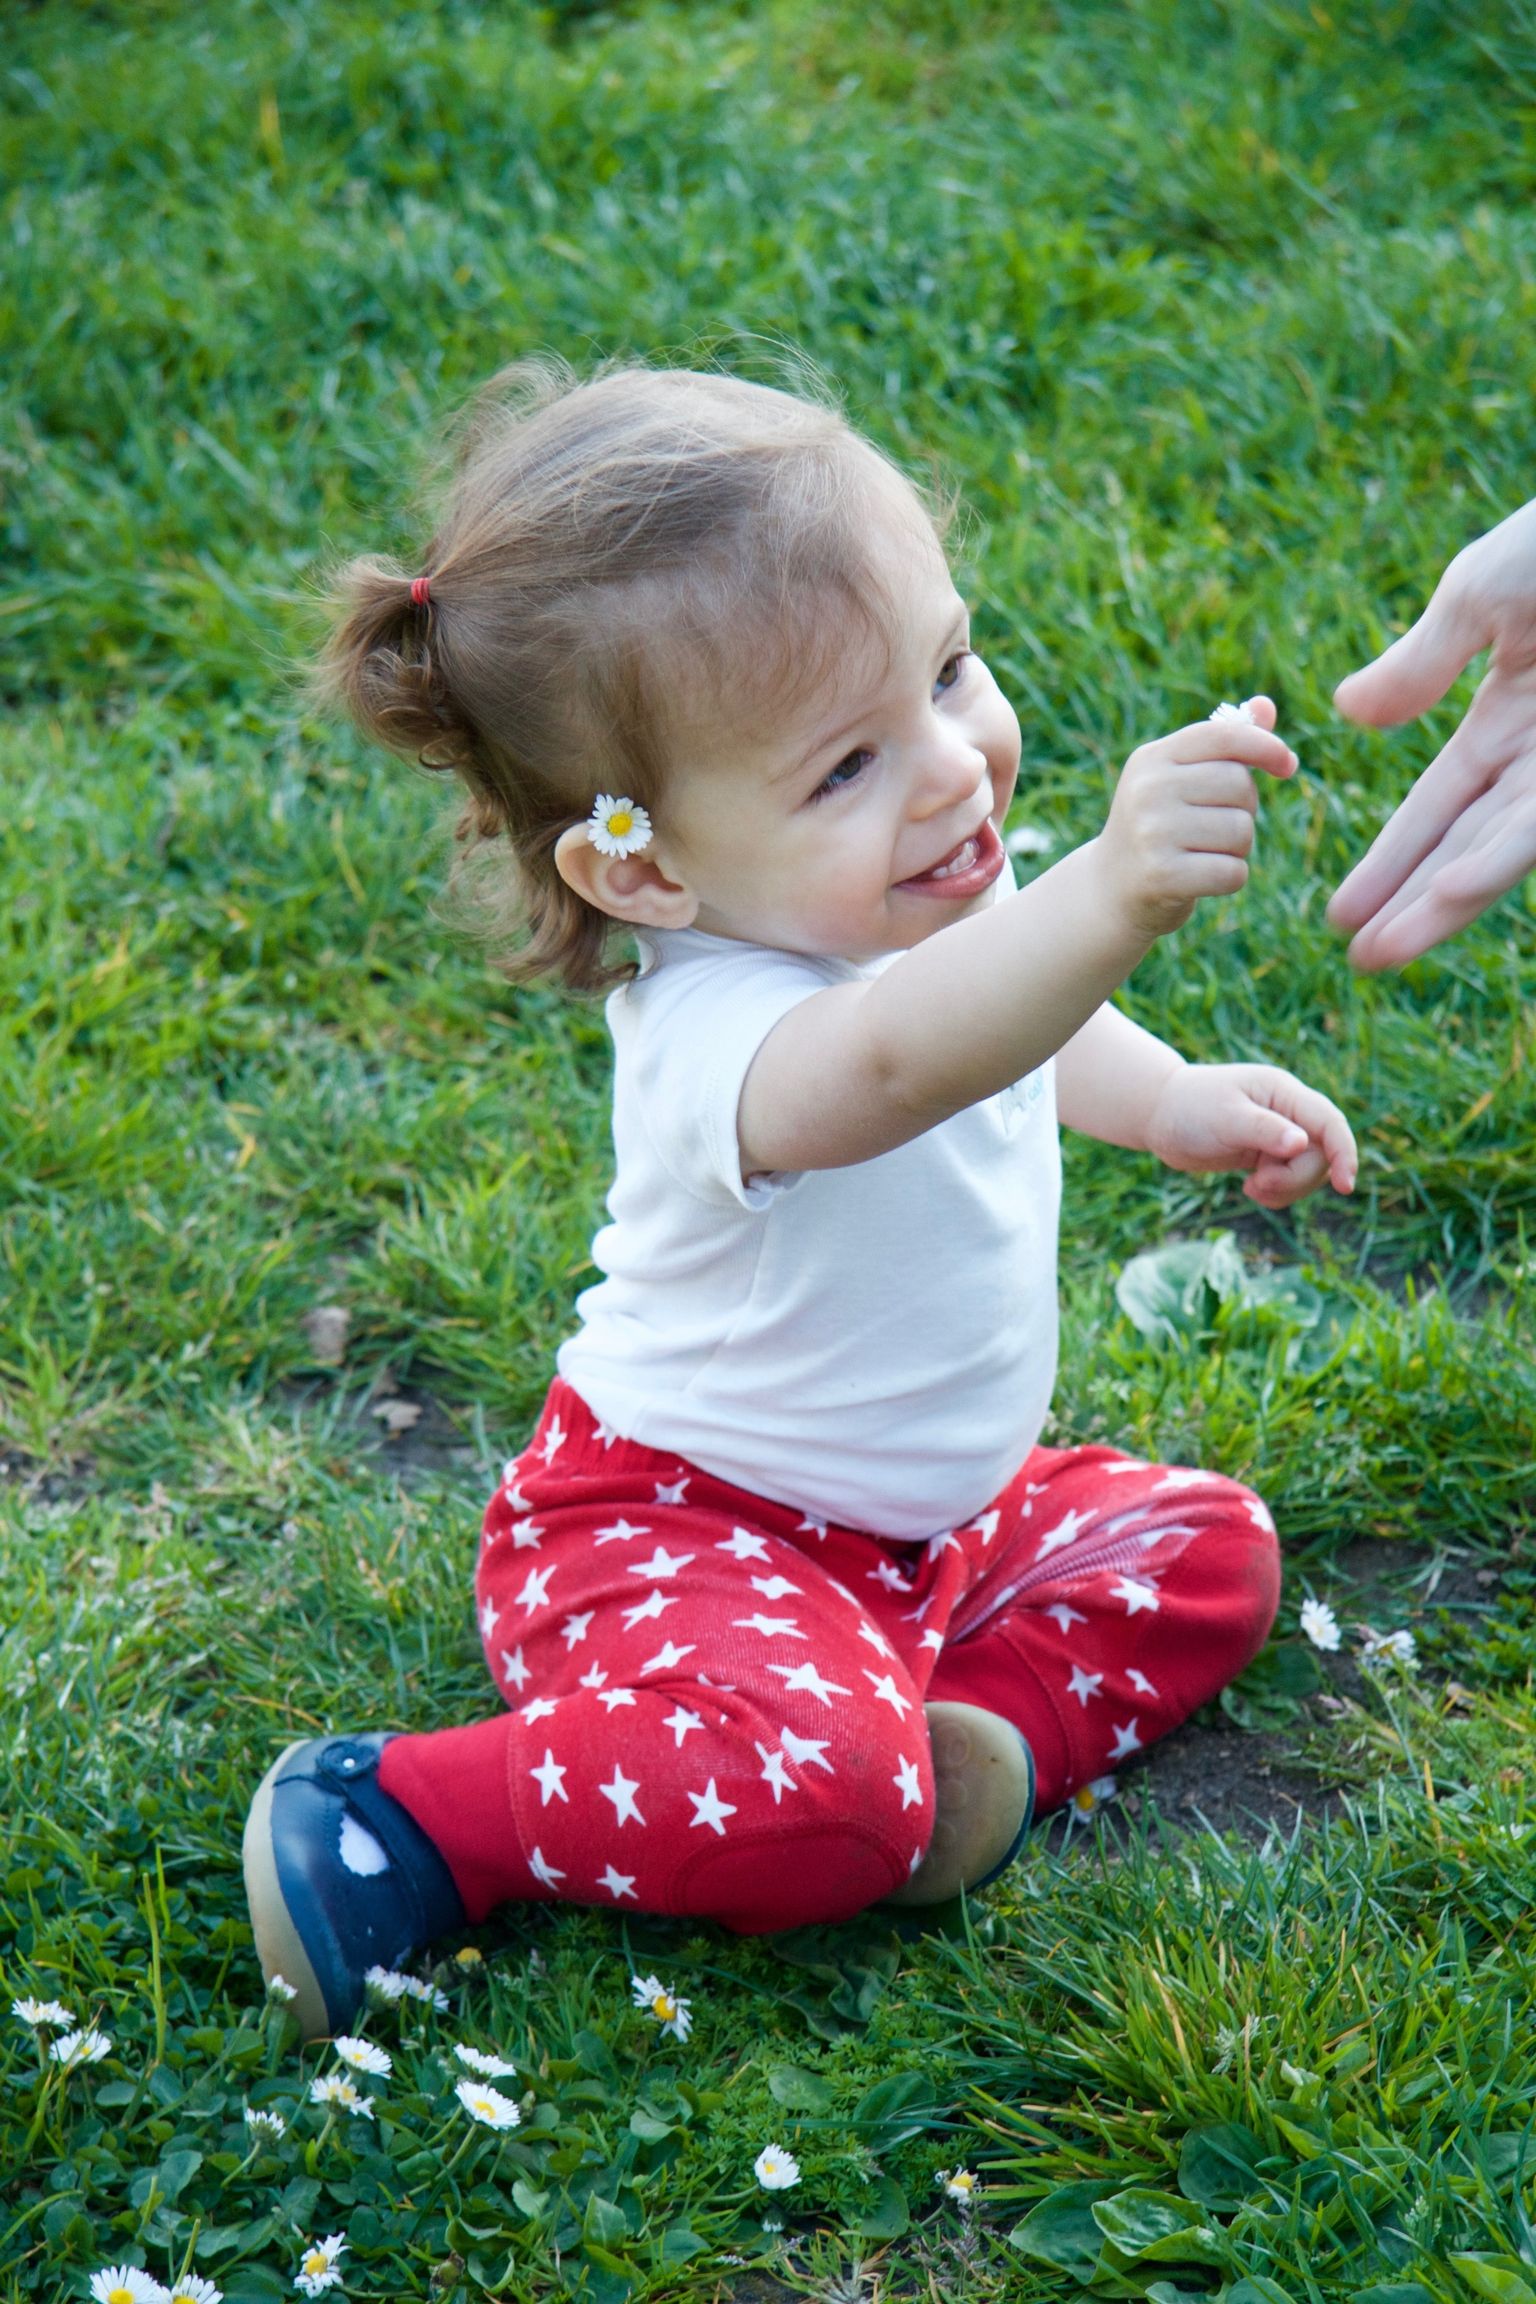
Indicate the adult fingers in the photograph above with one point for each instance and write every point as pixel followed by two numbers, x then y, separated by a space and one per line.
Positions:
pixel 1432 805
pixel 1416 670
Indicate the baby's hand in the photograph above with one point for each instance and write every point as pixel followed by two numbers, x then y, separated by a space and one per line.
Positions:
pixel 1181 823
pixel 1253 1116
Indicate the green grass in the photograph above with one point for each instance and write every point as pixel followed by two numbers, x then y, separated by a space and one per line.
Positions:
pixel 1220 316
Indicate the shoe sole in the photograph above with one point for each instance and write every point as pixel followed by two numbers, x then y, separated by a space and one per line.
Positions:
pixel 279 1947
pixel 984 1792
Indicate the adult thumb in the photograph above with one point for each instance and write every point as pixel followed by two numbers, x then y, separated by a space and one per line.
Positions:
pixel 1416 670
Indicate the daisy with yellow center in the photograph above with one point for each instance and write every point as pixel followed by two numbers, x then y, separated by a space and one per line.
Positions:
pixel 125 2284
pixel 487 2105
pixel 331 2088
pixel 960 2185
pixel 72 2048
pixel 776 2169
pixel 658 2000
pixel 363 2056
pixel 1088 1799
pixel 191 2288
pixel 317 2267
pixel 618 827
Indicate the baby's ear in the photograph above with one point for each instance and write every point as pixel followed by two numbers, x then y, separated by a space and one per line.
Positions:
pixel 632 888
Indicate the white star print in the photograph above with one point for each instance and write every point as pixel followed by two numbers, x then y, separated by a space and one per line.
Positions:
pixel 887 1691
pixel 1140 1682
pixel 525 1533
pixel 550 1778
pixel 875 1639
pixel 617 1883
pixel 1125 1464
pixel 806 1677
pixel 1126 1741
pixel 1181 1476
pixel 916 1615
pixel 774 1587
pixel 554 1440
pixel 1150 1538
pixel 985 1526
pixel 489 1617
pixel 744 1545
pixel 889 1575
pixel 615 1696
pixel 946 1541
pixel 661 1563
pixel 515 1669
pixel 652 1605
pixel 542 1872
pixel 620 1532
pixel 1066 1531
pixel 712 1810
pixel 1066 1617
pixel 807 1750
pixel 1260 1514
pixel 1083 1684
pixel 907 1784
pixel 774 1771
pixel 540 1709
pixel 1135 1594
pixel 680 1722
pixel 934 1640
pixel 574 1629
pixel 769 1625
pixel 668 1656
pixel 510 1471
pixel 535 1593
pixel 593 1679
pixel 816 1528
pixel 605 1433
pixel 622 1793
pixel 676 1493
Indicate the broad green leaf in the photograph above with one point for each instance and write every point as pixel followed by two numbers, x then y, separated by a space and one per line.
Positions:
pixel 1218 2165
pixel 1392 2292
pixel 603 2221
pixel 800 2091
pixel 1061 2230
pixel 679 2242
pixel 888 2215
pixel 1134 2219
pixel 1500 2282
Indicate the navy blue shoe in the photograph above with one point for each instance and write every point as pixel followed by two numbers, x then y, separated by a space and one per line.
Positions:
pixel 340 1878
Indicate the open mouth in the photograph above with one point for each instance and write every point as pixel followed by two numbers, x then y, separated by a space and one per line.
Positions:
pixel 968 868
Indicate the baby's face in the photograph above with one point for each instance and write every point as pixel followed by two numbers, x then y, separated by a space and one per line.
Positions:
pixel 869 815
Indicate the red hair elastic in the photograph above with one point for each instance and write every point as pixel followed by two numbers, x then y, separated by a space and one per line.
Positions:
pixel 421 591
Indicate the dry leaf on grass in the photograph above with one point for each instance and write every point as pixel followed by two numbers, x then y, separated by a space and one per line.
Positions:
pixel 325 1329
pixel 397 1415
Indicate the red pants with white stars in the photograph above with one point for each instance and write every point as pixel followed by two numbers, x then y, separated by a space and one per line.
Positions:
pixel 717 1705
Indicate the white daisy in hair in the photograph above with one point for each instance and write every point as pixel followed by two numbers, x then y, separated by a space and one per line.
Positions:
pixel 618 827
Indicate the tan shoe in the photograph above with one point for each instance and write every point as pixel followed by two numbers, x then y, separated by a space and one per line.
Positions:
pixel 984 1799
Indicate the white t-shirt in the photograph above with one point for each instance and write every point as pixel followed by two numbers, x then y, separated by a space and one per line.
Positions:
pixel 875 1345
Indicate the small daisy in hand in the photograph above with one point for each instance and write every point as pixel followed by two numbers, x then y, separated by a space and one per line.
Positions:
pixel 41 2012
pixel 125 2284
pixel 670 2013
pixel 1234 712
pixel 776 2169
pixel 317 2268
pixel 1320 1624
pixel 488 2067
pixel 487 2104
pixel 363 2056
pixel 73 2048
pixel 1088 1799
pixel 330 2088
pixel 191 2288
pixel 1379 1648
pixel 618 827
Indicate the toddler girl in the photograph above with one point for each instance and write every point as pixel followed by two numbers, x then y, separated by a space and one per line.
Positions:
pixel 789 1611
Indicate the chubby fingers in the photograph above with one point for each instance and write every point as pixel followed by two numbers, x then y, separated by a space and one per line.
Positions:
pixel 1327 1133
pixel 1251 742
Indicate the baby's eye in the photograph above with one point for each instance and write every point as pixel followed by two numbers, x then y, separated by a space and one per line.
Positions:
pixel 848 771
pixel 952 668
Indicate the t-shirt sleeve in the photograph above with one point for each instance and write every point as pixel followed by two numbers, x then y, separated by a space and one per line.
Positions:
pixel 693 1031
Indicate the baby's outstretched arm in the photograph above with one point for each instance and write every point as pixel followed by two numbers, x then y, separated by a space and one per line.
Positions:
pixel 857 1070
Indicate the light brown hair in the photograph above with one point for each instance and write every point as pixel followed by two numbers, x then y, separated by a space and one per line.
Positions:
pixel 610 553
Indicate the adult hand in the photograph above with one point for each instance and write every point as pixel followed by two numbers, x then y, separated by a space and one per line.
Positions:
pixel 1467 830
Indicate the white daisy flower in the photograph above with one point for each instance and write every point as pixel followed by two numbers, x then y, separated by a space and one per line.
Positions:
pixel 1320 1624
pixel 191 2288
pixel 776 2169
pixel 618 827
pixel 1028 840
pixel 41 2012
pixel 427 1994
pixel 387 1982
pixel 331 2088
pixel 317 2266
pixel 1379 1648
pixel 959 2184
pixel 657 2000
pixel 125 2284
pixel 265 2123
pixel 1234 712
pixel 72 2048
pixel 279 1988
pixel 363 2056
pixel 487 2104
pixel 488 2067
pixel 1088 1799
